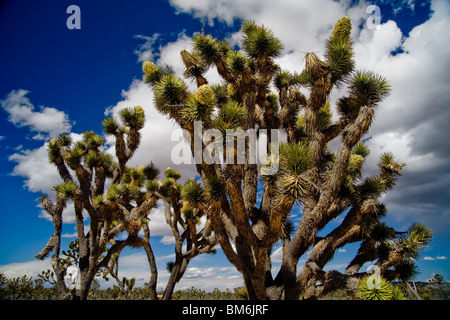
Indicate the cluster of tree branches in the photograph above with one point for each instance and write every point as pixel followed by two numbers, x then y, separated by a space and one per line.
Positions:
pixel 327 184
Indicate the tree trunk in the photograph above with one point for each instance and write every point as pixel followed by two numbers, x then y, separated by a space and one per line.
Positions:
pixel 152 263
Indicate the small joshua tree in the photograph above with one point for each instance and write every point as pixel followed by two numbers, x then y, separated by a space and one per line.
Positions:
pixel 184 208
pixel 326 184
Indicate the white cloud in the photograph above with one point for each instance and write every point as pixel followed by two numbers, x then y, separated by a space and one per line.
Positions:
pixel 40 174
pixel 157 223
pixel 146 51
pixel 30 268
pixel 156 144
pixel 277 255
pixel 48 122
pixel 428 258
pixel 208 278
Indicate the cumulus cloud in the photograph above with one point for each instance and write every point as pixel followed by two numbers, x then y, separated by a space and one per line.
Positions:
pixel 156 143
pixel 30 268
pixel 145 51
pixel 413 121
pixel 41 176
pixel 301 25
pixel 47 122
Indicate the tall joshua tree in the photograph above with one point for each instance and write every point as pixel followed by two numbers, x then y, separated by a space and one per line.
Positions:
pixel 326 184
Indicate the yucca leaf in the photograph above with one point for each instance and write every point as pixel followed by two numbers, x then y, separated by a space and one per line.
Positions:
pixel 236 61
pixel 368 89
pixel 207 48
pixel 371 186
pixel 296 158
pixel 91 159
pixel 259 41
pixel 152 185
pixel 110 125
pixel 170 93
pixel 67 190
pixel 192 192
pixel 215 188
pixel 133 117
pixel 64 140
pixel 339 55
pixel 73 157
pixel 375 287
pixel 361 149
pixel 170 173
pixel 92 140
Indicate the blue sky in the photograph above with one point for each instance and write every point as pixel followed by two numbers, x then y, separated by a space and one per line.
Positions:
pixel 56 80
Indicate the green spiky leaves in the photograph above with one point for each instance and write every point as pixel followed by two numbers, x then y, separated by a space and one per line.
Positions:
pixel 151 171
pixel 152 73
pixel 170 94
pixel 110 125
pixel 375 287
pixel 361 149
pixel 73 156
pixel 232 115
pixel 368 88
pixel 200 105
pixel 411 244
pixel 67 190
pixel 172 174
pixel 55 145
pixel 207 48
pixel 215 188
pixel 133 118
pixel 116 192
pixel 295 159
pixel 92 140
pixel 339 51
pixel 236 61
pixel 192 192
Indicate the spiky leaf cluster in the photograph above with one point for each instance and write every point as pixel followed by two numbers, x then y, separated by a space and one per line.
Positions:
pixel 260 41
pixel 375 287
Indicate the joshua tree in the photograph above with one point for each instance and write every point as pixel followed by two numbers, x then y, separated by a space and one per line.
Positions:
pixel 326 184
pixel 85 170
pixel 183 212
